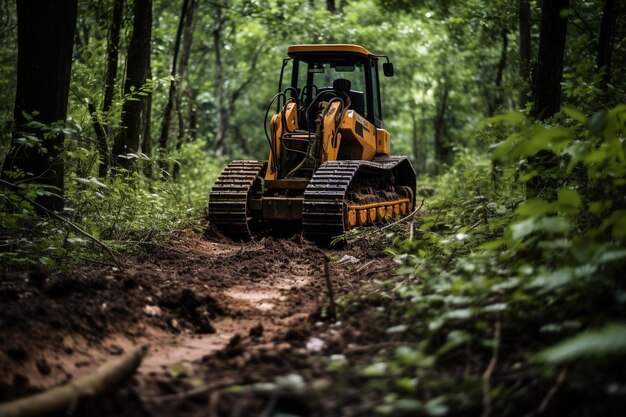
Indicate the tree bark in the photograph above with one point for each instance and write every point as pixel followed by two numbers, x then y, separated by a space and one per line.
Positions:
pixel 549 72
pixel 63 399
pixel 100 128
pixel 220 96
pixel 45 39
pixel 498 98
pixel 607 37
pixel 415 142
pixel 442 148
pixel 113 45
pixel 146 143
pixel 137 64
pixel 171 98
pixel 330 6
pixel 523 7
pixel 183 65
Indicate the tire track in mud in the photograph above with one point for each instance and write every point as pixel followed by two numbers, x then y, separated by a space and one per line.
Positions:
pixel 190 299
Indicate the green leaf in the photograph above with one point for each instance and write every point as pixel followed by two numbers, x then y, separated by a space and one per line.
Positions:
pixel 598 121
pixel 569 200
pixel 542 138
pixel 511 118
pixel 597 207
pixel 406 406
pixel 574 114
pixel 375 370
pixel 609 340
pixel 552 280
pixel 460 314
pixel 401 328
pixel 545 224
pixel 534 207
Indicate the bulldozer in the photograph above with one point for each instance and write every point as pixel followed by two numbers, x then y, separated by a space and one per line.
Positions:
pixel 329 167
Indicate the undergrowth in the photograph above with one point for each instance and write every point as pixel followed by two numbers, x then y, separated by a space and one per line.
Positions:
pixel 510 298
pixel 121 211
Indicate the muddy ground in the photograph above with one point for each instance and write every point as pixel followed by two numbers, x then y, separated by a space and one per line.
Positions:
pixel 213 313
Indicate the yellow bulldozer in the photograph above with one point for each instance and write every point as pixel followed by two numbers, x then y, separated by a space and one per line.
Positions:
pixel 329 167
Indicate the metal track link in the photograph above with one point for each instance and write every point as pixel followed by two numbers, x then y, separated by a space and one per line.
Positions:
pixel 228 200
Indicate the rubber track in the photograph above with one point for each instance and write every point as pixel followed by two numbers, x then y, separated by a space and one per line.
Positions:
pixel 228 200
pixel 323 211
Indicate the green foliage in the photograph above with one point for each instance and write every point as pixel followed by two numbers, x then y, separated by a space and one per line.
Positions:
pixel 546 270
pixel 120 211
pixel 609 340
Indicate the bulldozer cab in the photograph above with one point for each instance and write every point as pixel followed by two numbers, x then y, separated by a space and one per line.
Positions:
pixel 319 72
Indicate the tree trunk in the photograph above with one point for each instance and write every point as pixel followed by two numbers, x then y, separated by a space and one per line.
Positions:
pixel 45 39
pixel 607 37
pixel 146 143
pixel 415 141
pixel 220 96
pixel 137 64
pixel 193 118
pixel 330 6
pixel 183 65
pixel 169 107
pixel 442 148
pixel 101 130
pixel 523 7
pixel 550 59
pixel 112 54
pixel 498 98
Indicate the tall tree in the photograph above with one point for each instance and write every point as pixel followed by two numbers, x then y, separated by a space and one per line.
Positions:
pixel 146 143
pixel 220 96
pixel 113 43
pixel 45 39
pixel 498 98
pixel 553 30
pixel 607 37
pixel 184 92
pixel 136 73
pixel 443 150
pixel 169 107
pixel 523 8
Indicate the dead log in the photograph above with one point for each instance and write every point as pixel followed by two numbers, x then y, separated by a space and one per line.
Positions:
pixel 64 399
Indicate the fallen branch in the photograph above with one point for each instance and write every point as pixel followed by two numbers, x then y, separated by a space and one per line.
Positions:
pixel 63 399
pixel 191 393
pixel 73 226
pixel 555 388
pixel 489 371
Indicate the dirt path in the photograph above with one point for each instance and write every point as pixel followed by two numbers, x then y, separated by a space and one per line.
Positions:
pixel 192 301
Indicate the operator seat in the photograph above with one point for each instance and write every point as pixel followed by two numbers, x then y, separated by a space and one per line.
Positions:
pixel 357 99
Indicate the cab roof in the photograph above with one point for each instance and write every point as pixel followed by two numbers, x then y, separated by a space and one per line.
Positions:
pixel 338 47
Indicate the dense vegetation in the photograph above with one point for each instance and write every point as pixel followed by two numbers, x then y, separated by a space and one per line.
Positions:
pixel 509 298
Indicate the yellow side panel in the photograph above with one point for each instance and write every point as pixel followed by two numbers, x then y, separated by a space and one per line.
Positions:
pixel 331 148
pixel 357 132
pixel 291 116
pixel 383 144
pixel 276 131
